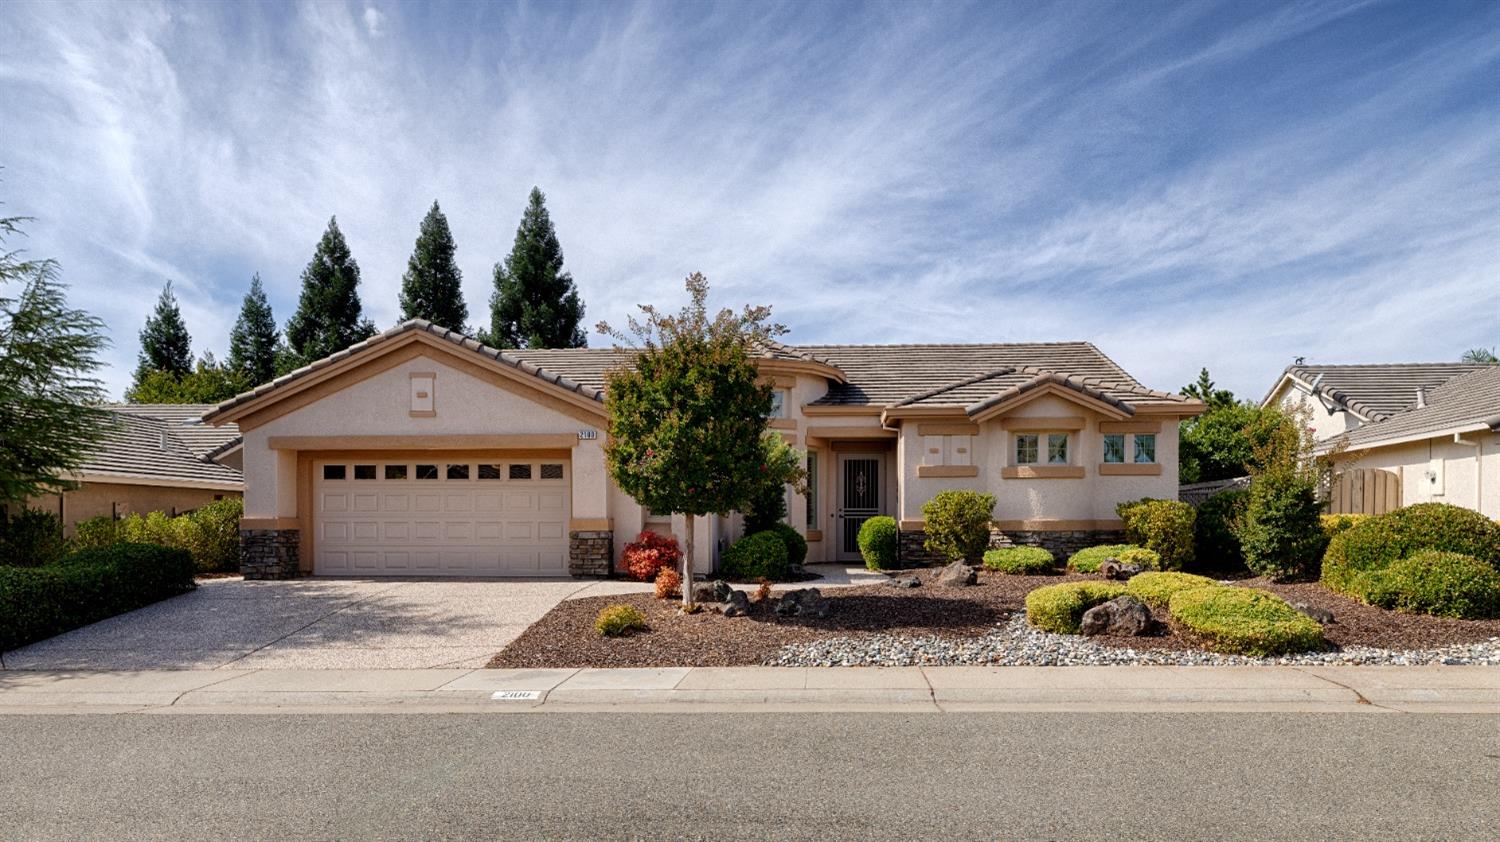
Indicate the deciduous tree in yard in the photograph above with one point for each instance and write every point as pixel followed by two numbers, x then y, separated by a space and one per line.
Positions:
pixel 432 287
pixel 48 395
pixel 253 342
pixel 329 317
pixel 165 343
pixel 535 304
pixel 686 413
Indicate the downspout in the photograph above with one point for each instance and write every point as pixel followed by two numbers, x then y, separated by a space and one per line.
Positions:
pixel 1478 469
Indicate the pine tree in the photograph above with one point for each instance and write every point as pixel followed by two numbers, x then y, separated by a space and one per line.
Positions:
pixel 165 343
pixel 252 343
pixel 328 318
pixel 432 287
pixel 535 304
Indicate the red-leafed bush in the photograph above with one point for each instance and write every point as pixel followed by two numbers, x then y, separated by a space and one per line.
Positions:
pixel 648 554
pixel 668 584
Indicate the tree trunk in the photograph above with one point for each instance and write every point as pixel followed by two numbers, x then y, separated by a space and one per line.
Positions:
pixel 687 565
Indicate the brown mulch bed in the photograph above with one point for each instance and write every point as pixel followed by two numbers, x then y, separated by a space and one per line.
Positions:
pixel 565 636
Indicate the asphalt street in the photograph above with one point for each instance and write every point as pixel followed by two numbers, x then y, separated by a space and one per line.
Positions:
pixel 751 776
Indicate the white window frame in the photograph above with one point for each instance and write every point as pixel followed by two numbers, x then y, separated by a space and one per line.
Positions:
pixel 779 399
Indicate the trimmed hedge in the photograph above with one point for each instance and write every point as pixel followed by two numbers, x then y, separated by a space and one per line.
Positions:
pixel 1163 526
pixel 1156 589
pixel 1438 583
pixel 619 621
pixel 31 538
pixel 1088 560
pixel 958 524
pixel 86 587
pixel 210 533
pixel 1244 621
pixel 1215 543
pixel 796 545
pixel 1334 524
pixel 1059 608
pixel 757 556
pixel 878 540
pixel 1020 561
pixel 1373 544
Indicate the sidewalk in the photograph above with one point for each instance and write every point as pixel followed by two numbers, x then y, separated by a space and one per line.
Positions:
pixel 1436 689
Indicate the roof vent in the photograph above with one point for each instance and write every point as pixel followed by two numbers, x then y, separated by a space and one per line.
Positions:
pixel 165 442
pixel 1316 381
pixel 1421 397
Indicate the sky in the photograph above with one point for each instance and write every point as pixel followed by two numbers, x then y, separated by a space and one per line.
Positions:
pixel 1229 185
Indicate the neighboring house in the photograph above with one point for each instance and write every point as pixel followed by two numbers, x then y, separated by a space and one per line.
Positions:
pixel 1410 432
pixel 152 457
pixel 421 452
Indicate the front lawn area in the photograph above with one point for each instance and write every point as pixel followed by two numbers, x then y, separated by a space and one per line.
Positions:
pixel 905 621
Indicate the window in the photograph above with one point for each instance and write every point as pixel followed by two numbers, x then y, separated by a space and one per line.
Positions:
pixel 458 472
pixel 427 472
pixel 1026 449
pixel 489 471
pixel 520 472
pixel 395 472
pixel 364 471
pixel 334 472
pixel 812 491
pixel 1114 448
pixel 1057 448
pixel 552 472
pixel 1145 447
pixel 778 403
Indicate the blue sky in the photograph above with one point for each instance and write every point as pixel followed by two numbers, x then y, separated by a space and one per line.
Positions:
pixel 1229 185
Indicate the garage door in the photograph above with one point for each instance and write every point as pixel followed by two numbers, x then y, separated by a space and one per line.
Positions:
pixel 441 518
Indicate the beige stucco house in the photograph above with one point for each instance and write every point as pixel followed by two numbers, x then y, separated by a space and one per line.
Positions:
pixel 1403 433
pixel 421 452
pixel 151 457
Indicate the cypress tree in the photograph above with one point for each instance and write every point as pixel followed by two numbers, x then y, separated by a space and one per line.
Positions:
pixel 165 343
pixel 535 304
pixel 328 318
pixel 252 343
pixel 432 287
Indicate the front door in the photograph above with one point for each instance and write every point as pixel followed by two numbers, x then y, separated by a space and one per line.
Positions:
pixel 859 500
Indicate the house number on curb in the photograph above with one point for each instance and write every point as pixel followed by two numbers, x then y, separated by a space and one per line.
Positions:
pixel 515 695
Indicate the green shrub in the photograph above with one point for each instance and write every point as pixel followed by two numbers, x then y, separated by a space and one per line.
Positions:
pixel 96 532
pixel 1372 544
pixel 1156 589
pixel 86 587
pixel 1023 561
pixel 1435 582
pixel 1334 524
pixel 1088 560
pixel 619 620
pixel 1215 544
pixel 1163 526
pixel 958 524
pixel 796 545
pixel 211 533
pixel 1059 608
pixel 152 528
pixel 879 539
pixel 31 538
pixel 1280 533
pixel 1244 621
pixel 762 555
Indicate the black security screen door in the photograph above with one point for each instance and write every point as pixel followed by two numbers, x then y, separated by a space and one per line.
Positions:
pixel 860 498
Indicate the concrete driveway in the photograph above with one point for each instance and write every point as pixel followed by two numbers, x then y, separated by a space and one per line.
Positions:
pixel 329 624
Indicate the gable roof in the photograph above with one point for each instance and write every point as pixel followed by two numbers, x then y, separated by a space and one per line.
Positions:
pixel 1469 402
pixel 990 389
pixel 186 423
pixel 1373 392
pixel 142 449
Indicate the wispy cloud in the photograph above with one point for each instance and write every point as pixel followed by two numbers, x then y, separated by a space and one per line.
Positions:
pixel 1223 186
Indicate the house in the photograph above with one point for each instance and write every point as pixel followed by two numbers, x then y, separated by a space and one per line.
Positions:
pixel 1403 433
pixel 422 452
pixel 152 457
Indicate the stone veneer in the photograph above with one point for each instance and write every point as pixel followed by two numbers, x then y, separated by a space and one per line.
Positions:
pixel 911 553
pixel 269 553
pixel 590 553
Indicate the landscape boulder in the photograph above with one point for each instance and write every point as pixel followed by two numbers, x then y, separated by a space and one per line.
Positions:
pixel 723 591
pixel 904 582
pixel 957 575
pixel 1123 615
pixel 1115 569
pixel 1322 615
pixel 737 605
pixel 803 602
pixel 704 592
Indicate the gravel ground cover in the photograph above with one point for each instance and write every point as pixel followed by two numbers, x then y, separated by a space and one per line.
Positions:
pixel 877 625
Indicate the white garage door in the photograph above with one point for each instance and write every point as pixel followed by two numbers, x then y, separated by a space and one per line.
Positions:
pixel 441 518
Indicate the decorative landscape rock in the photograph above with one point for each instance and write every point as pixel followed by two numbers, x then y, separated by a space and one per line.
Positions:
pixel 704 592
pixel 803 602
pixel 904 582
pixel 723 591
pixel 1123 615
pixel 737 605
pixel 1118 570
pixel 1322 615
pixel 956 575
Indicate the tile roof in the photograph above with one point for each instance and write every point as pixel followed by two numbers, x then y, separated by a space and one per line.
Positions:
pixel 186 421
pixel 139 446
pixel 1376 392
pixel 1468 400
pixel 979 393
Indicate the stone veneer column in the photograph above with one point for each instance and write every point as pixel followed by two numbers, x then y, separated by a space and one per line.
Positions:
pixel 269 553
pixel 910 551
pixel 590 553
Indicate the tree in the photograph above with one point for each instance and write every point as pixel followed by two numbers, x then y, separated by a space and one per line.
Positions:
pixel 1281 534
pixel 766 505
pixel 165 343
pixel 1480 355
pixel 209 382
pixel 432 287
pixel 253 342
pixel 1216 445
pixel 1205 391
pixel 328 318
pixel 687 413
pixel 535 304
pixel 49 421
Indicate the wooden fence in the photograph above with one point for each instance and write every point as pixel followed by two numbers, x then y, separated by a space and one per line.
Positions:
pixel 1364 491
